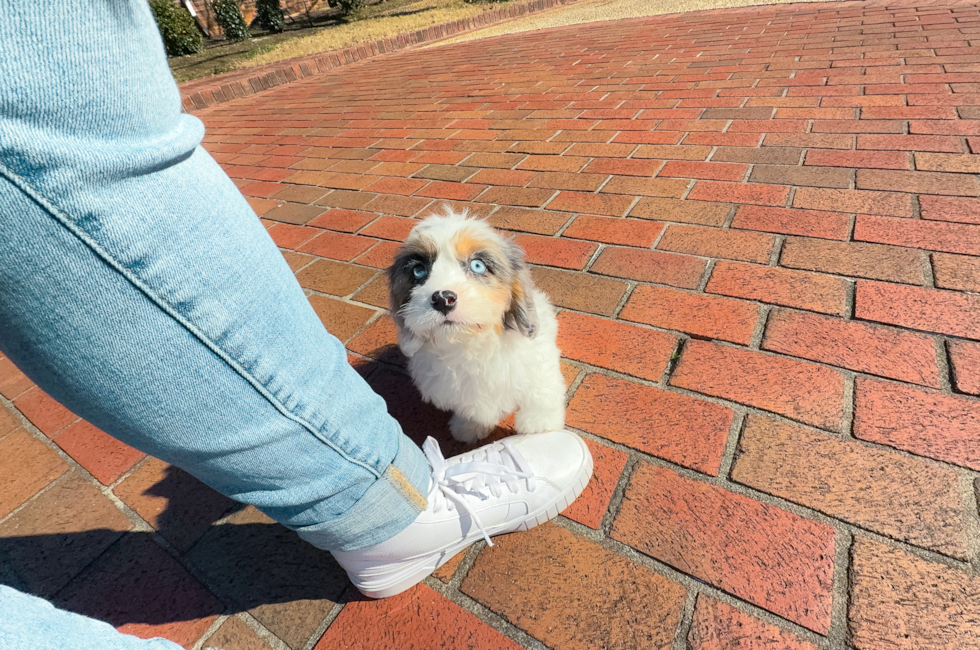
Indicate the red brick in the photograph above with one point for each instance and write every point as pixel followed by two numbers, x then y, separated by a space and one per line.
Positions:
pixel 591 203
pixel 859 484
pixel 881 203
pixel 12 381
pixel 822 293
pixel 675 427
pixel 898 600
pixel 950 208
pixel 789 221
pixel 580 291
pixel 600 150
pixel 858 126
pixel 723 139
pixel 591 506
pixel 102 455
pixel 758 155
pixel 802 176
pixel 568 181
pixel 931 310
pixel 445 173
pixel 693 313
pixel 940 143
pixel 626 232
pixel 501 177
pixel 44 412
pixel 739 193
pixel 415 620
pixel 554 163
pixel 945 127
pixel 261 206
pixel 808 140
pixel 954 163
pixel 919 182
pixel 233 633
pixel 289 236
pixel 394 228
pixel 618 346
pixel 698 212
pixel 139 589
pixel 848 258
pixel 8 421
pixel 958 272
pixel 453 191
pixel 919 233
pixel 294 213
pixel 540 580
pixel 866 159
pixel 796 389
pixel 757 552
pixel 522 196
pixel 672 152
pixel 551 251
pixel 923 422
pixel 650 266
pixel 541 222
pixel 379 341
pixel 26 466
pixel 713 242
pixel 717 171
pixel 341 319
pixel 718 626
pixel 495 160
pixel 151 490
pixel 55 536
pixel 391 185
pixel 965 358
pixel 337 246
pixel 662 187
pixel 873 349
pixel 623 167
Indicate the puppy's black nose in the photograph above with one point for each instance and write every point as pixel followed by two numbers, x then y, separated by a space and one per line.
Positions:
pixel 444 301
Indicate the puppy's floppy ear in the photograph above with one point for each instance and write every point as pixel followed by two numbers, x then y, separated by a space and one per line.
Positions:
pixel 399 292
pixel 521 315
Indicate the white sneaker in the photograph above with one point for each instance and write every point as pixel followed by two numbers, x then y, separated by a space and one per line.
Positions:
pixel 510 485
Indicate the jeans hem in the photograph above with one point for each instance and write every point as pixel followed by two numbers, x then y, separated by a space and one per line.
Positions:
pixel 392 503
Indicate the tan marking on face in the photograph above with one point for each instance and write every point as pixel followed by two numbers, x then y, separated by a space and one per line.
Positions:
pixel 467 243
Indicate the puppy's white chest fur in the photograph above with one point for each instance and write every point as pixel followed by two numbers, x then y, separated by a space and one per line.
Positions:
pixel 485 378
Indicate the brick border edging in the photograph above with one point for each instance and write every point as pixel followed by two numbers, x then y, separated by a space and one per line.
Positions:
pixel 194 97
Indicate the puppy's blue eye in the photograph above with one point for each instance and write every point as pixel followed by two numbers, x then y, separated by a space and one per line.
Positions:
pixel 478 267
pixel 419 272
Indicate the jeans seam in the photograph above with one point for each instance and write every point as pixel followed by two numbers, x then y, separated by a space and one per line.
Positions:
pixel 62 217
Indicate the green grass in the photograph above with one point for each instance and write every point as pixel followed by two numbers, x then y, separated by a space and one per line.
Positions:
pixel 328 32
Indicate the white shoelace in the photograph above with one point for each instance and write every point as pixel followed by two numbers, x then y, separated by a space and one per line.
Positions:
pixel 485 469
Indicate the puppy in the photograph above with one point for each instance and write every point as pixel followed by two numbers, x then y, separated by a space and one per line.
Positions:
pixel 479 336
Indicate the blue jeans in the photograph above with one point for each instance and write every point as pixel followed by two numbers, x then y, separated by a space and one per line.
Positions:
pixel 139 289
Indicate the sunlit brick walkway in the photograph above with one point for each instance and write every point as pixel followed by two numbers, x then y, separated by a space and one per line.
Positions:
pixel 763 231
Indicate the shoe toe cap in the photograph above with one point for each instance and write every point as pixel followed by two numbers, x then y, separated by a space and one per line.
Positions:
pixel 557 456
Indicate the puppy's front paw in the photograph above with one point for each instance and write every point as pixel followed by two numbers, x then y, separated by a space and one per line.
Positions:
pixel 466 430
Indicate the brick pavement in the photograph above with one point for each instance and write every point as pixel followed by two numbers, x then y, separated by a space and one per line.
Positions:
pixel 762 227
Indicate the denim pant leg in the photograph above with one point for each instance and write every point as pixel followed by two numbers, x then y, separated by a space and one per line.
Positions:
pixel 32 623
pixel 138 288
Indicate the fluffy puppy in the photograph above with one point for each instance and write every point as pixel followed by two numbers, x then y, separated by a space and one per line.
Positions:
pixel 479 336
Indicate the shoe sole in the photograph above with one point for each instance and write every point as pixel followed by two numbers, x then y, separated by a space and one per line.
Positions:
pixel 410 575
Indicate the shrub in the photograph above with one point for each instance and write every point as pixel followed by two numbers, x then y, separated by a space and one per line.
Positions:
pixel 230 18
pixel 347 7
pixel 269 15
pixel 177 27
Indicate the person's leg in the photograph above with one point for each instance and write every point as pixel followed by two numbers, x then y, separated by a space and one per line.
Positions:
pixel 31 623
pixel 138 288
